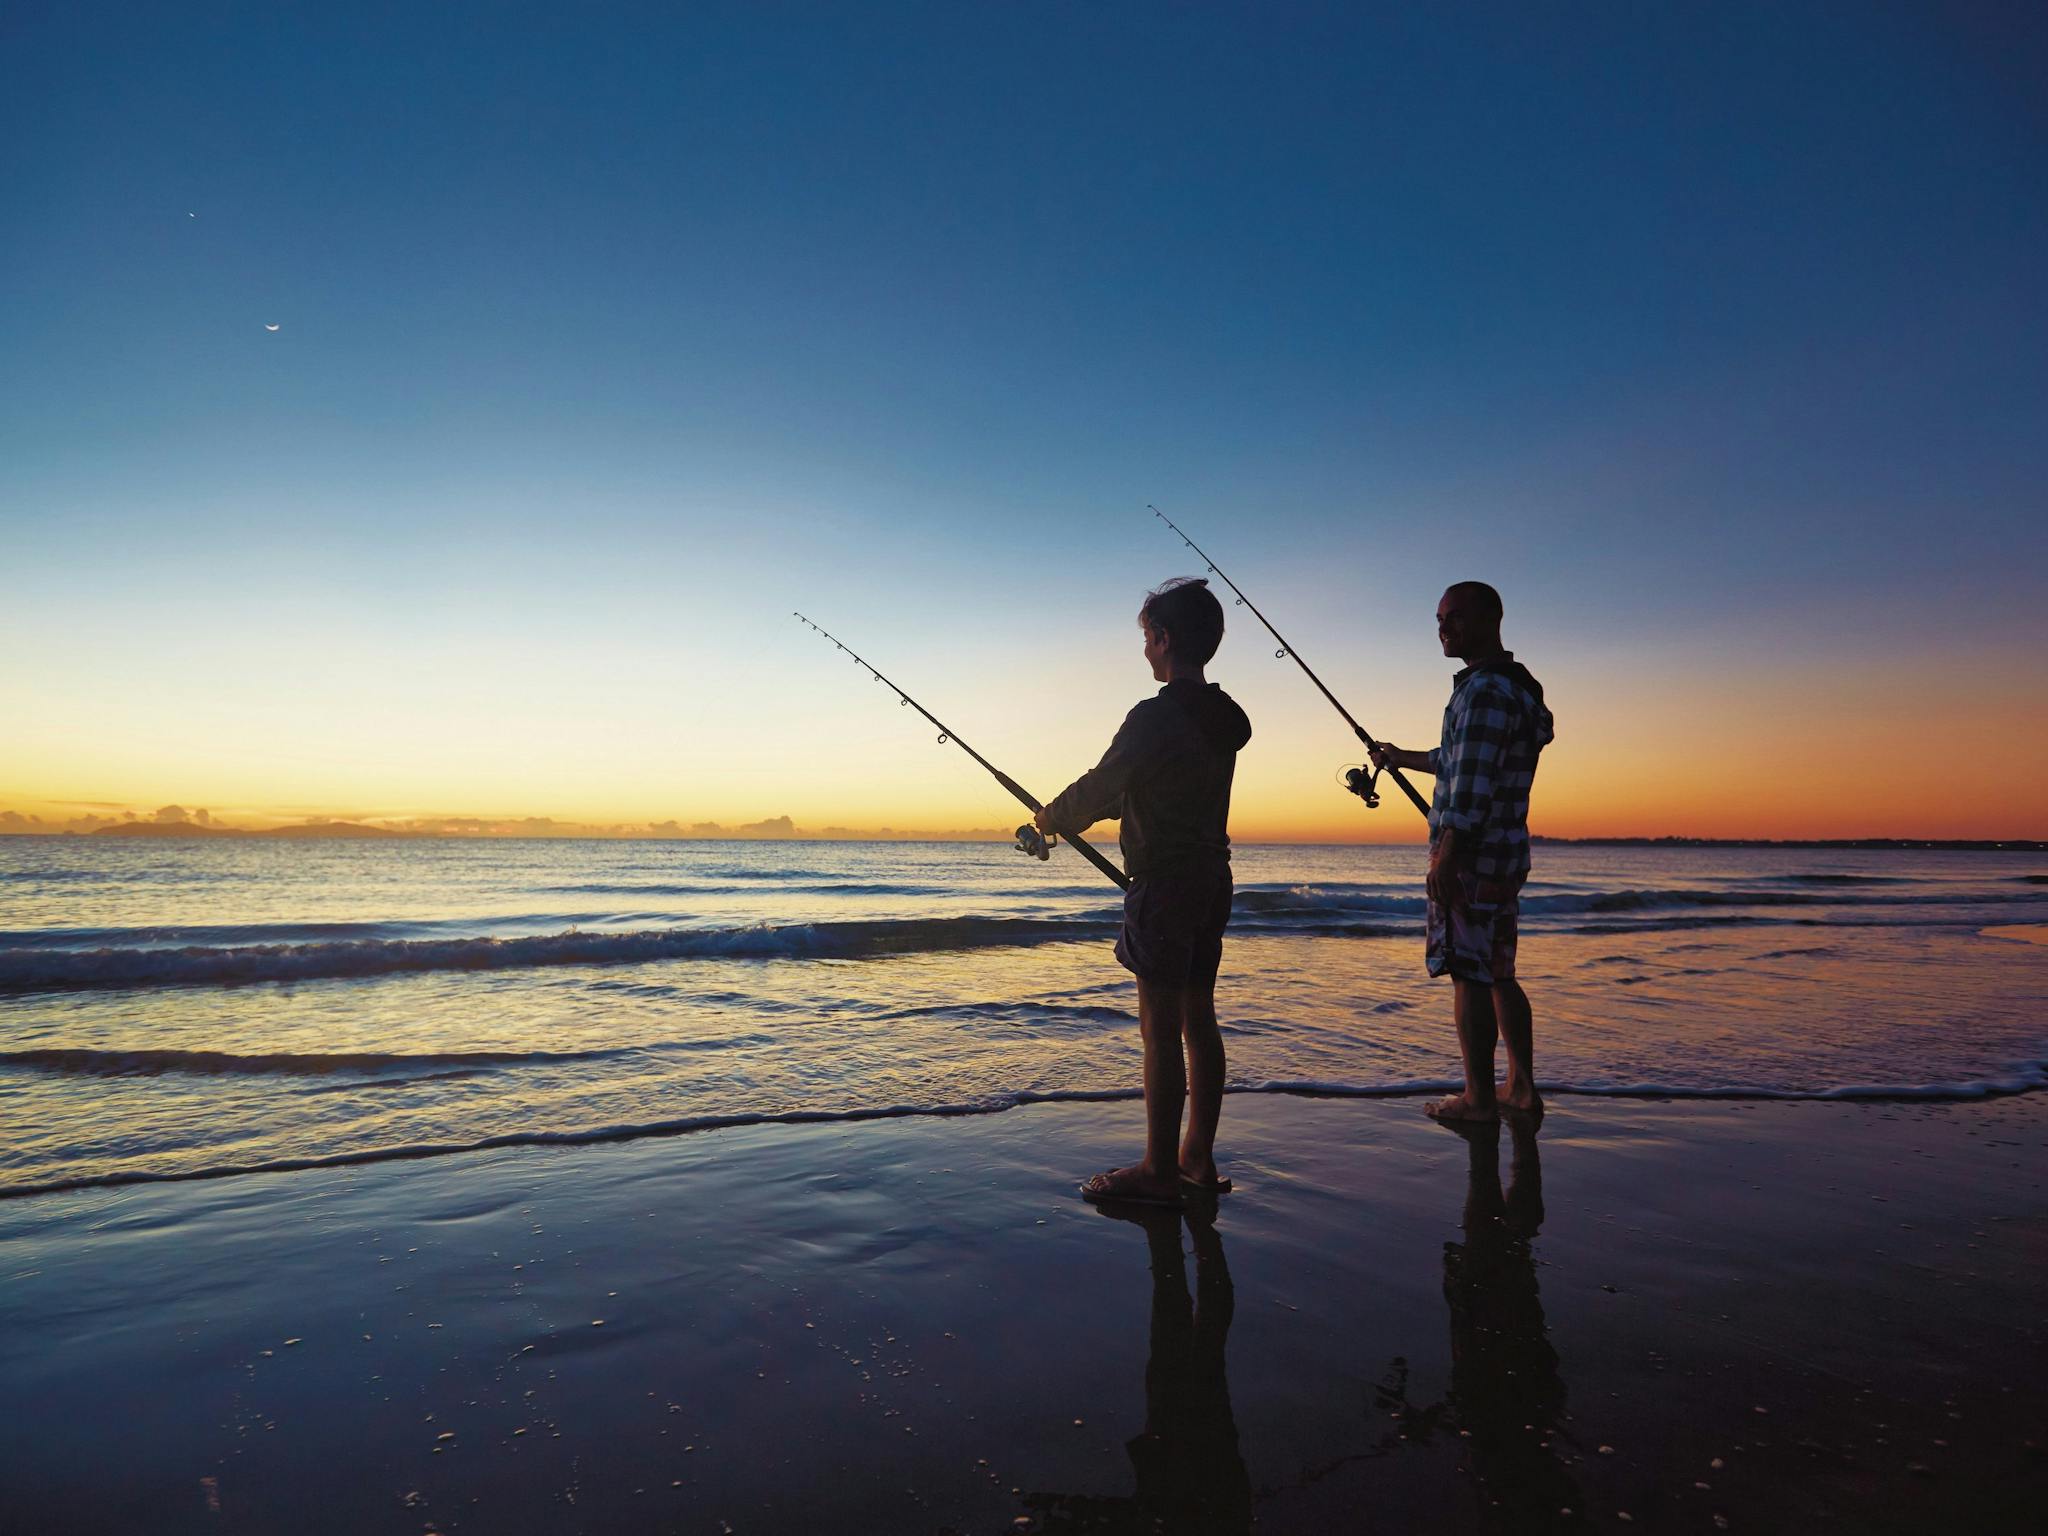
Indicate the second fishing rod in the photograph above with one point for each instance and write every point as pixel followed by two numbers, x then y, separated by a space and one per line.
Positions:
pixel 1363 781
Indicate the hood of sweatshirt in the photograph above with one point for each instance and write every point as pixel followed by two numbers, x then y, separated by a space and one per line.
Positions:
pixel 1215 713
pixel 1542 724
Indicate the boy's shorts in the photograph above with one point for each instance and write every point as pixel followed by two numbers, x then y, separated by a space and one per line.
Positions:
pixel 1173 925
pixel 1476 941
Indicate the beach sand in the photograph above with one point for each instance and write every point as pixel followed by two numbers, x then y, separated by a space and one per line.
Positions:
pixel 1775 1316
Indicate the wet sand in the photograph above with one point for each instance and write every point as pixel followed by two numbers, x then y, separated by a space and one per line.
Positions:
pixel 1662 1316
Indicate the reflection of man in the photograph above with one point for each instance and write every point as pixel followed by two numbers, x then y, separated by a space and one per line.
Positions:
pixel 1191 1475
pixel 1494 727
pixel 1506 1393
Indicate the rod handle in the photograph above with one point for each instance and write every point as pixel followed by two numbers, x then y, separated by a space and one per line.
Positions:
pixel 1410 791
pixel 1080 846
pixel 1391 772
pixel 1097 860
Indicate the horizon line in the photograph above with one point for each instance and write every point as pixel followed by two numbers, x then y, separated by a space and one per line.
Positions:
pixel 311 831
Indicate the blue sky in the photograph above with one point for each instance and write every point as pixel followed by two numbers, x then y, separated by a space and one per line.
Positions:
pixel 610 334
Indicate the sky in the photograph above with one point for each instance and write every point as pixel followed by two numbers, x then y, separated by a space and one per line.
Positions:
pixel 607 336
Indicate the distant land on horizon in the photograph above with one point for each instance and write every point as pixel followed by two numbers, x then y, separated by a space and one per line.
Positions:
pixel 1937 844
pixel 355 829
pixel 194 829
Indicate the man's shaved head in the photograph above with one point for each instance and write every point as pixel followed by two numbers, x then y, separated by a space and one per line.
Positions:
pixel 1483 599
pixel 1468 620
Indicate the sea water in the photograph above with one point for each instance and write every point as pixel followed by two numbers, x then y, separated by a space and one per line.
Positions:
pixel 184 1008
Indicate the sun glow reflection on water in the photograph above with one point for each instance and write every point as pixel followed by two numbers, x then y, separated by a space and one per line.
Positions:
pixel 863 977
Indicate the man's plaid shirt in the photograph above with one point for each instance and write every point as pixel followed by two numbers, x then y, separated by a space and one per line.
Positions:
pixel 1494 727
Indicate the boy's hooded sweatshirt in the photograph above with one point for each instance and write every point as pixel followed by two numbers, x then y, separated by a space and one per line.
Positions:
pixel 1166 776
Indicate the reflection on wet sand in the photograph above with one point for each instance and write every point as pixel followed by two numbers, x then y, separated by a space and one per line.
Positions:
pixel 1507 1396
pixel 1190 1473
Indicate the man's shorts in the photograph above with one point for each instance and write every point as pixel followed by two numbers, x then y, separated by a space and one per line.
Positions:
pixel 1476 941
pixel 1173 924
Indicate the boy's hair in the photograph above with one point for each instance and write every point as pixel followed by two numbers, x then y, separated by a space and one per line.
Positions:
pixel 1189 613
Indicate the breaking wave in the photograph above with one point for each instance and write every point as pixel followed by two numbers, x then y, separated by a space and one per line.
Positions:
pixel 71 959
pixel 34 970
pixel 794 888
pixel 2030 1077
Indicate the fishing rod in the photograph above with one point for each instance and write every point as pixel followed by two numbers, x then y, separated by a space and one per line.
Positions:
pixel 1029 839
pixel 1362 782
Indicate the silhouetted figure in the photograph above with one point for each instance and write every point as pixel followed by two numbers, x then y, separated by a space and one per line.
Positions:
pixel 1494 728
pixel 1190 1474
pixel 1506 1392
pixel 1167 776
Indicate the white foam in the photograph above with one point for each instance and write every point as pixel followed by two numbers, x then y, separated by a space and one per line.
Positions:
pixel 2031 1077
pixel 35 970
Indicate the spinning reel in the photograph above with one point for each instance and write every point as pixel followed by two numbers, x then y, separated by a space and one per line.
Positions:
pixel 1362 781
pixel 1034 842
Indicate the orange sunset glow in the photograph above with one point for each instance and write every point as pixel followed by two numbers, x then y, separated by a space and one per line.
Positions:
pixel 571 576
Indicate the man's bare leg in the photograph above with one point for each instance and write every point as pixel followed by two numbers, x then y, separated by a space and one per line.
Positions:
pixel 1205 1081
pixel 1157 1176
pixel 1518 1033
pixel 1524 1199
pixel 1477 1034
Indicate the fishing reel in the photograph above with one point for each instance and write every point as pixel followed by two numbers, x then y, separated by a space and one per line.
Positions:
pixel 1362 781
pixel 1034 842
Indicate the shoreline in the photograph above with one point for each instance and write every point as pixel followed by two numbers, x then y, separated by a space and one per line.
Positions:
pixel 914 1324
pixel 2031 1077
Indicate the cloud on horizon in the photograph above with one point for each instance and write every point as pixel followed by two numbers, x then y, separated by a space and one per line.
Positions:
pixel 19 822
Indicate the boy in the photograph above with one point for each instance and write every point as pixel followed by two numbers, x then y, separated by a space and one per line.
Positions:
pixel 1167 777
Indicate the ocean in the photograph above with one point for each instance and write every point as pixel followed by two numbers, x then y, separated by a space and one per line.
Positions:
pixel 175 1009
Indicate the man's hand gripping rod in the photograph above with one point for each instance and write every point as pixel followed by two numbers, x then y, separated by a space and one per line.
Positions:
pixel 1029 839
pixel 1358 781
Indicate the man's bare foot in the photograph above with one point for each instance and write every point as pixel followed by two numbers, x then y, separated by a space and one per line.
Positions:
pixel 1457 1107
pixel 1521 1099
pixel 1133 1184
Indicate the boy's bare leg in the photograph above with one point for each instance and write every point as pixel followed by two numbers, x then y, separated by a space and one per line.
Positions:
pixel 1205 1081
pixel 1157 1176
pixel 1477 1034
pixel 1160 1012
pixel 1517 1032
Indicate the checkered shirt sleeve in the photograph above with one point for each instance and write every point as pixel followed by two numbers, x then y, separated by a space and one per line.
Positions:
pixel 1479 729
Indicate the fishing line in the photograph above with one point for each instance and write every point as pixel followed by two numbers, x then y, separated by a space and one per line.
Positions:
pixel 1029 839
pixel 1361 781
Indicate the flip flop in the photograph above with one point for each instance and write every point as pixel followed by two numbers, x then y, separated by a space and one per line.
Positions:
pixel 1098 1190
pixel 1216 1186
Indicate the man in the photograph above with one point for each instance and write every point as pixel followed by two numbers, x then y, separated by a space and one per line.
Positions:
pixel 1167 776
pixel 1494 727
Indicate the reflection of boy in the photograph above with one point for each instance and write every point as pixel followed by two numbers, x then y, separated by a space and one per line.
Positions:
pixel 1167 777
pixel 1191 1476
pixel 1191 1472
